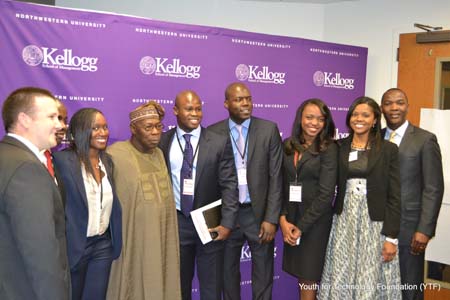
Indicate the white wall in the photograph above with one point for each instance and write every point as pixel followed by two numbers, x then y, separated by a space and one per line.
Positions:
pixel 375 24
pixel 278 18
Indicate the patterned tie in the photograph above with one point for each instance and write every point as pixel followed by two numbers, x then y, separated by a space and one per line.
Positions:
pixel 186 173
pixel 48 156
pixel 392 137
pixel 240 162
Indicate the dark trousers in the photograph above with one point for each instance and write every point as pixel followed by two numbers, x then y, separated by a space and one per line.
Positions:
pixel 91 274
pixel 262 259
pixel 208 258
pixel 411 273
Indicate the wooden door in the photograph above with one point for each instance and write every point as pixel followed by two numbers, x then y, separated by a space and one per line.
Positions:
pixel 417 72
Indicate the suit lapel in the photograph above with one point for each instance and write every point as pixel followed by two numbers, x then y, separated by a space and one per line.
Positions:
pixel 19 144
pixel 343 156
pixel 383 133
pixel 252 136
pixel 75 169
pixel 224 127
pixel 166 148
pixel 373 158
pixel 305 157
pixel 203 150
pixel 407 138
pixel 290 164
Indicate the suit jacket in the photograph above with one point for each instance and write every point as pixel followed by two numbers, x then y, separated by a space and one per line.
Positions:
pixel 264 161
pixel 383 184
pixel 317 174
pixel 77 214
pixel 215 176
pixel 422 183
pixel 33 260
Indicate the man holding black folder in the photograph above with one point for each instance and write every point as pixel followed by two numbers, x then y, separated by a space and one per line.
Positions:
pixel 258 157
pixel 201 165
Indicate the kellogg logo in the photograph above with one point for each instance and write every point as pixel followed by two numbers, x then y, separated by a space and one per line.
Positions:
pixel 32 55
pixel 242 72
pixel 333 80
pixel 255 74
pixel 170 68
pixel 54 59
pixel 147 65
pixel 246 254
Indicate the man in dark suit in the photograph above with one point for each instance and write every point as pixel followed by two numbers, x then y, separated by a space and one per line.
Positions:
pixel 258 159
pixel 422 187
pixel 33 261
pixel 202 170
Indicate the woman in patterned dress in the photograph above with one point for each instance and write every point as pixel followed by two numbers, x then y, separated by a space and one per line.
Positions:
pixel 361 260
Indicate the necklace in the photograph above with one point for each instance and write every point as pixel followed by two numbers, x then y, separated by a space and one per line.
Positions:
pixel 358 146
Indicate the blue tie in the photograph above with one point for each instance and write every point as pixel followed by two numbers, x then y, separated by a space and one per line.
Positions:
pixel 186 173
pixel 240 163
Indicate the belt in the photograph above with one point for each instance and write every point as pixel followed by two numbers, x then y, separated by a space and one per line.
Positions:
pixel 245 205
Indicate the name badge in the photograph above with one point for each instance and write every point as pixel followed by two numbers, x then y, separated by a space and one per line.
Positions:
pixel 353 156
pixel 188 187
pixel 295 192
pixel 242 176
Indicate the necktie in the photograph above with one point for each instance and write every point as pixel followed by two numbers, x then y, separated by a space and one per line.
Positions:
pixel 240 162
pixel 186 173
pixel 48 156
pixel 392 137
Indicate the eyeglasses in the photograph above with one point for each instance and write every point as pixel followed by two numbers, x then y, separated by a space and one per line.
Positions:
pixel 150 127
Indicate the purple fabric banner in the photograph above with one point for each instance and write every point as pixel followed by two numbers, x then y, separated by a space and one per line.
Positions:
pixel 115 63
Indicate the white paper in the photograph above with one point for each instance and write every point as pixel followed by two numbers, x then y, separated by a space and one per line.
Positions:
pixel 199 221
pixel 438 248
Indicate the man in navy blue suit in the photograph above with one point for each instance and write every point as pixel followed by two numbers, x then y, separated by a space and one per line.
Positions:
pixel 201 166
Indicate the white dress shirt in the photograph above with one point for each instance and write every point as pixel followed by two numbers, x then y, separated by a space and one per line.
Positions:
pixel 100 199
pixel 176 159
pixel 399 133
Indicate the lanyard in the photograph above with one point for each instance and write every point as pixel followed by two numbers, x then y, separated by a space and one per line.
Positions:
pixel 245 144
pixel 191 163
pixel 101 187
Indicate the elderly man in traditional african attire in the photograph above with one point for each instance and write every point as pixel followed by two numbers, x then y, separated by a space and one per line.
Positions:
pixel 149 265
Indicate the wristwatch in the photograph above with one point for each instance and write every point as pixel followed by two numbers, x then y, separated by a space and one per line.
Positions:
pixel 391 240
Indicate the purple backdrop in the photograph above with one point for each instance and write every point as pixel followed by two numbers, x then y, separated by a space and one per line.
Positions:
pixel 115 63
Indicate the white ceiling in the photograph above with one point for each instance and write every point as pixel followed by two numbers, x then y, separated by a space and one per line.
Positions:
pixel 303 1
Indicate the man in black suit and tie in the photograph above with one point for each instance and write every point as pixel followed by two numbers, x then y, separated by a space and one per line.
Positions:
pixel 33 259
pixel 201 166
pixel 422 187
pixel 258 159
